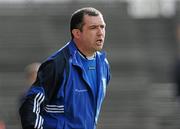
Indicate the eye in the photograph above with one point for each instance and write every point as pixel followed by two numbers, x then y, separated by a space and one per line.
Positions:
pixel 102 26
pixel 92 27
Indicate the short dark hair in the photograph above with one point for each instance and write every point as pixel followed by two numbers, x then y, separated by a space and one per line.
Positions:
pixel 77 17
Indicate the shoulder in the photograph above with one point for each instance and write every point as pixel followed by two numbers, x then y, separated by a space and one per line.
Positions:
pixel 56 59
pixel 103 57
pixel 104 65
pixel 59 55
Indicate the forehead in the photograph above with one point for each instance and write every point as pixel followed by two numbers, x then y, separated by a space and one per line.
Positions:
pixel 93 20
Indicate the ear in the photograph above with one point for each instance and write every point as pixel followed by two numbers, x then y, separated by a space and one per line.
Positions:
pixel 76 33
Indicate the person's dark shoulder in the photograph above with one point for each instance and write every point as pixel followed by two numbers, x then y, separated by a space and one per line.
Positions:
pixel 60 54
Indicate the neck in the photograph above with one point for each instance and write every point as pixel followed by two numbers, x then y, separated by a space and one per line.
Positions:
pixel 83 51
pixel 85 57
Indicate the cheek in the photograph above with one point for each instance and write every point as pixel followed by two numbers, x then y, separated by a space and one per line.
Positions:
pixel 104 32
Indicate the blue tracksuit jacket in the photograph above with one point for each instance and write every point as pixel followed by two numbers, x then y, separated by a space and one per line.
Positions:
pixel 62 97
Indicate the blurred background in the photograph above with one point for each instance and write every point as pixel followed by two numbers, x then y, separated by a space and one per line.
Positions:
pixel 142 44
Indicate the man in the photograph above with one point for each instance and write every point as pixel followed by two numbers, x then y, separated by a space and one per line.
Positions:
pixel 30 76
pixel 71 84
pixel 31 72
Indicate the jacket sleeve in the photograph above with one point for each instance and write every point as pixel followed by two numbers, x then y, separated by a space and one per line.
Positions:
pixel 32 106
pixel 108 72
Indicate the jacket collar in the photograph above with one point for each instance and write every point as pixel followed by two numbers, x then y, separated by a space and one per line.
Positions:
pixel 74 51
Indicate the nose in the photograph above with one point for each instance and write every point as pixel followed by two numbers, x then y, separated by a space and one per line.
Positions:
pixel 100 31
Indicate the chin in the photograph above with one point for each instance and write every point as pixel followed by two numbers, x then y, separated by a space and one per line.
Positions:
pixel 99 48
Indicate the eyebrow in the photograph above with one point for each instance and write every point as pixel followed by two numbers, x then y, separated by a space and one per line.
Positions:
pixel 97 25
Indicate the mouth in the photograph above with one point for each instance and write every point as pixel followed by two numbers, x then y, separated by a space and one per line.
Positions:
pixel 99 41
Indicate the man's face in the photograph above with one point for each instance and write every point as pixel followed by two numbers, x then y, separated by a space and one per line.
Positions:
pixel 93 33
